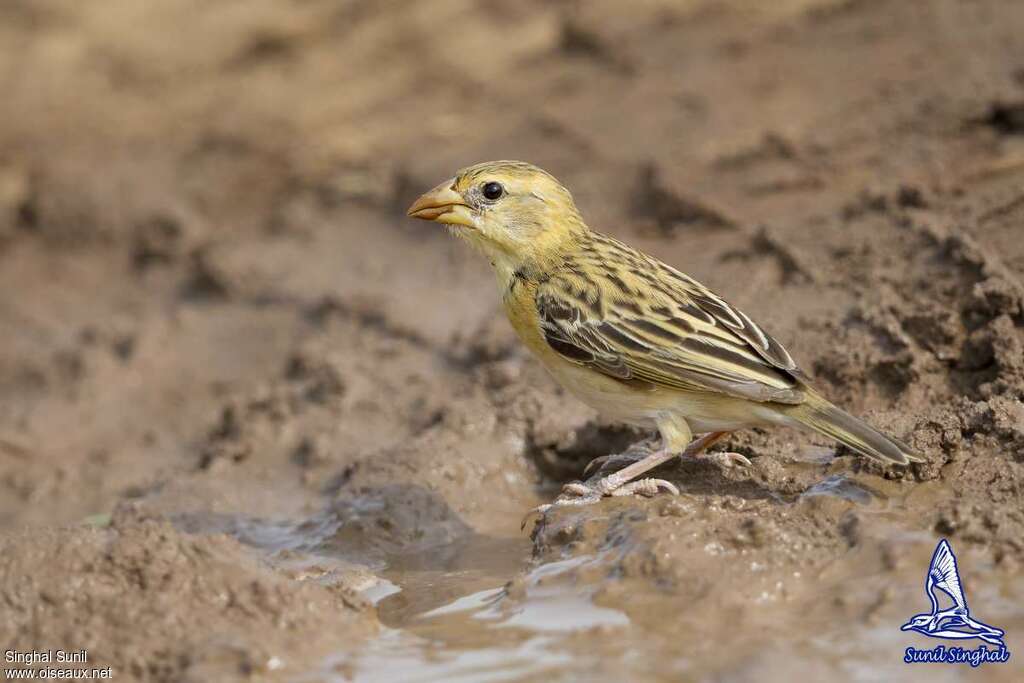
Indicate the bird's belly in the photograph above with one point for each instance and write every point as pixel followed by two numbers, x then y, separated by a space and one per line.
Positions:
pixel 632 410
pixel 613 399
pixel 704 412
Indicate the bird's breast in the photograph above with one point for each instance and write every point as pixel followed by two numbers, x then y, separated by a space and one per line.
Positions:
pixel 611 397
pixel 519 298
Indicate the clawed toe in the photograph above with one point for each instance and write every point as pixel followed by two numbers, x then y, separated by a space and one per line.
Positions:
pixel 726 460
pixel 578 493
pixel 612 462
pixel 597 463
pixel 646 487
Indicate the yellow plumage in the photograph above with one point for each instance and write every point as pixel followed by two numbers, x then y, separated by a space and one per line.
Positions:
pixel 626 333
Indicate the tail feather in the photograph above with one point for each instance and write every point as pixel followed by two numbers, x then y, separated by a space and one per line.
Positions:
pixel 823 417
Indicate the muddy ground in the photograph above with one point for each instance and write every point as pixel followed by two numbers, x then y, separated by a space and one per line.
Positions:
pixel 255 424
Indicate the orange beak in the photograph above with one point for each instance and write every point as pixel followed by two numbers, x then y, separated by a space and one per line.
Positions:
pixel 443 205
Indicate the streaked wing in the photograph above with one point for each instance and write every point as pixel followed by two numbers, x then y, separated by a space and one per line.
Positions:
pixel 943 572
pixel 634 318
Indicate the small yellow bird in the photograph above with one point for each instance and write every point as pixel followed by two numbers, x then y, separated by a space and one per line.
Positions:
pixel 629 335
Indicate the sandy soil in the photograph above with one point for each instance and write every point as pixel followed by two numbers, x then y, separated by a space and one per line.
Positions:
pixel 257 425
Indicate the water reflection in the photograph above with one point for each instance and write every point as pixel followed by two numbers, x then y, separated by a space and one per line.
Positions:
pixel 488 635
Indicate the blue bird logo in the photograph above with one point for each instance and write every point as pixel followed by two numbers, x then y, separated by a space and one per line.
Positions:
pixel 954 622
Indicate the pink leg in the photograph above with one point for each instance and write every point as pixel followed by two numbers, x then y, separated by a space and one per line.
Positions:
pixel 621 482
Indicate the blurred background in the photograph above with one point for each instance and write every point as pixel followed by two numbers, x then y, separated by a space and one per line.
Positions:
pixel 255 423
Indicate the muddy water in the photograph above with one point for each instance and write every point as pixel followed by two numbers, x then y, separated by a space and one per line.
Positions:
pixel 485 635
pixel 466 623
pixel 488 608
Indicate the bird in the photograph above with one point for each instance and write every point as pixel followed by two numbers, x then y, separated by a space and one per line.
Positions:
pixel 629 335
pixel 956 621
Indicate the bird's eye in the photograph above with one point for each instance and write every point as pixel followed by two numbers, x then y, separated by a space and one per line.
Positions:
pixel 493 190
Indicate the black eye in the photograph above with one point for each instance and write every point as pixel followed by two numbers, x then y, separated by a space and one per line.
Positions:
pixel 493 190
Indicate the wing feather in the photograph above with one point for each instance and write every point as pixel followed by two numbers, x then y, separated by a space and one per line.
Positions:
pixel 655 324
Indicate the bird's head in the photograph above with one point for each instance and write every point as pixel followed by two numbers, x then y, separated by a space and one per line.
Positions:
pixel 514 212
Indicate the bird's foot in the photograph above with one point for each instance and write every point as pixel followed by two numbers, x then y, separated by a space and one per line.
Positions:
pixel 590 493
pixel 725 460
pixel 579 493
pixel 634 462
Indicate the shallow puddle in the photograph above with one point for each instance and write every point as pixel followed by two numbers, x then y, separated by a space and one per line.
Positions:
pixel 487 635
pixel 478 607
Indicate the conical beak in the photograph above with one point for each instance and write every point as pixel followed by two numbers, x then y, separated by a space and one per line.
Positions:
pixel 443 205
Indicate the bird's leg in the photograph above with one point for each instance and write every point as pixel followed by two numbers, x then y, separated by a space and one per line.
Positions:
pixel 624 482
pixel 607 485
pixel 580 493
pixel 621 483
pixel 696 449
